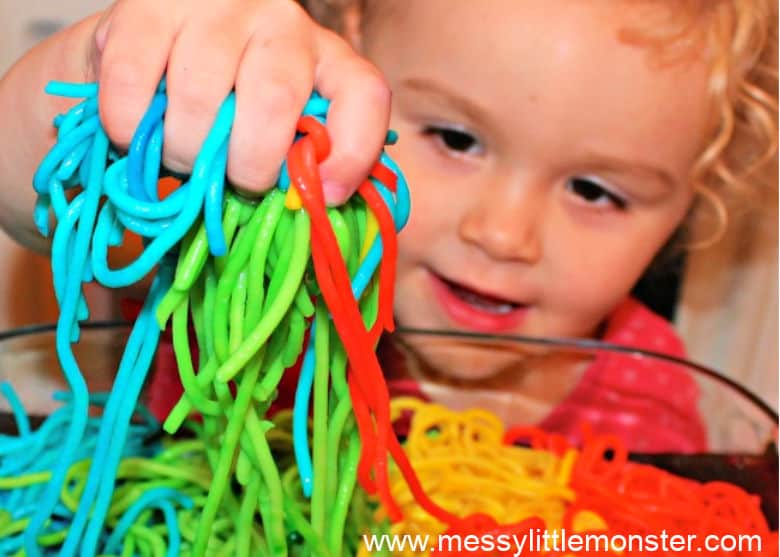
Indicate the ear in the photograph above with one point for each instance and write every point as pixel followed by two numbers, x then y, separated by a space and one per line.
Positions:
pixel 351 25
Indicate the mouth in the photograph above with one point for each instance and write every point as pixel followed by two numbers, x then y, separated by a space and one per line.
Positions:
pixel 475 309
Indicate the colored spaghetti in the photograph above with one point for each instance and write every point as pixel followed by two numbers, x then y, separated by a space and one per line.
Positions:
pixel 522 479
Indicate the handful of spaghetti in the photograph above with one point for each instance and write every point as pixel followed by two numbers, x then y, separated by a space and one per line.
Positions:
pixel 254 285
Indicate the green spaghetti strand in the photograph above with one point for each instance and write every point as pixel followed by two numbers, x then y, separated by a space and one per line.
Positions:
pixel 280 304
pixel 344 493
pixel 341 414
pixel 181 344
pixel 238 312
pixel 320 426
pixel 257 260
pixel 272 513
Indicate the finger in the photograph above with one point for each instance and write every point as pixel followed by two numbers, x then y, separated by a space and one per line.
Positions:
pixel 358 117
pixel 272 87
pixel 201 72
pixel 129 75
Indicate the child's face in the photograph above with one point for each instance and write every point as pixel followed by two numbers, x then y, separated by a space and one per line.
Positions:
pixel 547 160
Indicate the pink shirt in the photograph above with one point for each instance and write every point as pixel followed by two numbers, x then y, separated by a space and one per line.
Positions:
pixel 652 405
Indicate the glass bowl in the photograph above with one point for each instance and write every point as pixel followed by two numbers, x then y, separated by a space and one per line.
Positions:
pixel 526 380
pixel 522 380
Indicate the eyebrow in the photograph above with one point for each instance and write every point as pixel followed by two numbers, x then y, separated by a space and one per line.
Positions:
pixel 604 162
pixel 445 95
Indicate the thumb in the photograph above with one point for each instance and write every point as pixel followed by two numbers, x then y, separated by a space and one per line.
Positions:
pixel 98 44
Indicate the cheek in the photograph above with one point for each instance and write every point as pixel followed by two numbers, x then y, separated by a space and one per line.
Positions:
pixel 420 245
pixel 432 219
pixel 417 244
pixel 616 264
pixel 594 273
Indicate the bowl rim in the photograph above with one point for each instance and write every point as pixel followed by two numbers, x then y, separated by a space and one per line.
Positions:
pixel 591 345
pixel 561 342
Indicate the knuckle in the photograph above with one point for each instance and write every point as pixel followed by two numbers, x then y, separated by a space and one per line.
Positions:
pixel 376 89
pixel 349 167
pixel 120 101
pixel 250 173
pixel 116 123
pixel 177 157
pixel 355 149
pixel 180 149
pixel 290 15
pixel 118 72
pixel 193 90
pixel 282 95
pixel 251 166
pixel 125 91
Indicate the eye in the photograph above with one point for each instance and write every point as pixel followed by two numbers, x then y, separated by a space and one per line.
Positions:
pixel 454 140
pixel 593 193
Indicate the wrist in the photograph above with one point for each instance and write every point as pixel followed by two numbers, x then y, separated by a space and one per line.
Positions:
pixel 29 112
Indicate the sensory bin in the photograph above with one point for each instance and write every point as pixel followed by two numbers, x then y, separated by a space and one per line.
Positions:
pixel 735 461
pixel 249 290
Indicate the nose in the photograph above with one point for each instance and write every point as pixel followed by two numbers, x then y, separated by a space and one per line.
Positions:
pixel 504 223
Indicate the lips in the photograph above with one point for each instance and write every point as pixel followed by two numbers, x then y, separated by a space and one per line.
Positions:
pixel 477 310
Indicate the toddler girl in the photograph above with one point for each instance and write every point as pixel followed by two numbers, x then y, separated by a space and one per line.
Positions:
pixel 552 149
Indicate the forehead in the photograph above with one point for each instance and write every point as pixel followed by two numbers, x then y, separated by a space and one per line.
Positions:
pixel 565 62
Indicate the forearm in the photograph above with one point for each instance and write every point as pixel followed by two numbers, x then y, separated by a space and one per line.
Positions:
pixel 26 132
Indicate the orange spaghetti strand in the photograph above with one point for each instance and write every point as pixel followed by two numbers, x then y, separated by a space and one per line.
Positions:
pixel 415 486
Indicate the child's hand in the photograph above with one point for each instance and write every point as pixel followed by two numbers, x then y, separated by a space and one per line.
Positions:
pixel 271 52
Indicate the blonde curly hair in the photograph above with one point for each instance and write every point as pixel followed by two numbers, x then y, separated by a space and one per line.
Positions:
pixel 735 173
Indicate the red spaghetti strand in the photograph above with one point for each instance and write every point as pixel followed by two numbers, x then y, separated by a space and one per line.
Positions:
pixel 367 385
pixel 374 448
pixel 385 175
pixel 399 456
pixel 365 424
pixel 535 436
pixel 317 134
pixel 344 309
pixel 389 257
pixel 367 437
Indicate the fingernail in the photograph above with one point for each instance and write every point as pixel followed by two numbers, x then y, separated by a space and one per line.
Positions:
pixel 334 192
pixel 101 31
pixel 101 36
